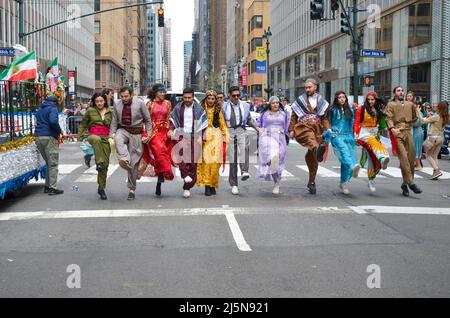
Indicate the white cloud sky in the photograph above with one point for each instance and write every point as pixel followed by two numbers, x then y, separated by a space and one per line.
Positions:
pixel 181 12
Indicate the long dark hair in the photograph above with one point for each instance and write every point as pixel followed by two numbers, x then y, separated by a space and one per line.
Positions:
pixel 347 109
pixel 217 107
pixel 380 106
pixel 443 112
pixel 97 95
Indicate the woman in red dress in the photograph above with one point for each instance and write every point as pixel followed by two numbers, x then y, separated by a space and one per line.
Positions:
pixel 158 150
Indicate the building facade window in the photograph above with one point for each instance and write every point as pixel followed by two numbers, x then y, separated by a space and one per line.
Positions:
pixel 97 27
pixel 256 22
pixel 98 51
pixel 298 62
pixel 97 72
pixel 287 72
pixel 97 5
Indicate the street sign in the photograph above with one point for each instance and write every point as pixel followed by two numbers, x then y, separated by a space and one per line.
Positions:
pixel 349 55
pixel 373 53
pixel 7 51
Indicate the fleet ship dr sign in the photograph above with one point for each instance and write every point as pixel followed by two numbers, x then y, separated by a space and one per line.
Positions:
pixel 7 51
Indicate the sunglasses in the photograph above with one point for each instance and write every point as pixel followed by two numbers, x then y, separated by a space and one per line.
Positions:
pixel 238 95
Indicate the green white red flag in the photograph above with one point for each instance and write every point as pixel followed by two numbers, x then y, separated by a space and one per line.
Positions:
pixel 22 69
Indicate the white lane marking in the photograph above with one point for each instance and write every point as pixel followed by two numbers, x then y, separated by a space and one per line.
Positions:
pixel 363 173
pixel 67 169
pixel 81 214
pixel 322 172
pixel 357 209
pixel 90 175
pixel 396 173
pixel 285 174
pixel 430 171
pixel 237 233
pixel 405 210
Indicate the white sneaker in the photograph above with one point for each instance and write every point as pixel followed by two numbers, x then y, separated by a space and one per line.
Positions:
pixel 356 171
pixel 188 179
pixel 385 163
pixel 235 190
pixel 372 186
pixel 344 188
pixel 276 190
pixel 245 176
pixel 187 194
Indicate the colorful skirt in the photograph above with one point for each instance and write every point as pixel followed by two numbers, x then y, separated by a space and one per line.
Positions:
pixel 373 151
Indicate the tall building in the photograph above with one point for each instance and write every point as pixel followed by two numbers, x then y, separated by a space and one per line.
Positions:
pixel 201 46
pixel 218 36
pixel 414 35
pixel 167 65
pixel 121 47
pixel 71 43
pixel 187 62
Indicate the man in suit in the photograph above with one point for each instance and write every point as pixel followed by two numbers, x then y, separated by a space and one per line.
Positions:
pixel 129 116
pixel 237 116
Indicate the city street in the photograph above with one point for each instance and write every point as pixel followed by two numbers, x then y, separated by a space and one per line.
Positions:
pixel 252 245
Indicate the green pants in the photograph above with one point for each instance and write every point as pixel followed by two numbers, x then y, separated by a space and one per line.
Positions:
pixel 102 151
pixel 48 147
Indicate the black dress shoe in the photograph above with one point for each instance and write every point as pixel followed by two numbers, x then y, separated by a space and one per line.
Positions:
pixel 47 190
pixel 213 191
pixel 321 152
pixel 405 190
pixel 158 189
pixel 102 195
pixel 55 192
pixel 414 188
pixel 131 196
pixel 208 191
pixel 312 188
pixel 87 160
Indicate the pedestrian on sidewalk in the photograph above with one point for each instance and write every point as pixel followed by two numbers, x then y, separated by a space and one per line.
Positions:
pixel 47 133
pixel 95 127
pixel 158 149
pixel 188 122
pixel 272 142
pixel 214 145
pixel 130 114
pixel 401 116
pixel 435 139
pixel 341 118
pixel 237 116
pixel 308 123
pixel 370 126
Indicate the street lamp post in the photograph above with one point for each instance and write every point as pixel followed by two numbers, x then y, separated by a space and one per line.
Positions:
pixel 125 74
pixel 133 68
pixel 267 34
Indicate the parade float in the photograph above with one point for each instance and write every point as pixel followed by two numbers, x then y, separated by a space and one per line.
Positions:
pixel 20 97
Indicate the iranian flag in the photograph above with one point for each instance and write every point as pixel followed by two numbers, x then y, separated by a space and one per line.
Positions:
pixel 23 68
pixel 54 65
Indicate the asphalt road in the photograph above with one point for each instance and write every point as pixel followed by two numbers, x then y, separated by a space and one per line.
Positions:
pixel 254 245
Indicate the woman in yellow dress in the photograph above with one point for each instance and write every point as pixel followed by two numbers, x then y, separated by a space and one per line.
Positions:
pixel 214 144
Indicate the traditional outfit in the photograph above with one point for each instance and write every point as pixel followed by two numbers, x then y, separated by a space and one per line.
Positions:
pixel 434 142
pixel 188 124
pixel 343 142
pixel 367 127
pixel 158 151
pixel 272 145
pixel 127 125
pixel 308 123
pixel 216 138
pixel 401 116
pixel 95 128
pixel 419 136
pixel 237 118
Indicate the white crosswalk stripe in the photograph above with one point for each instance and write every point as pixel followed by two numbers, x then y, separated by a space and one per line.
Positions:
pixel 90 175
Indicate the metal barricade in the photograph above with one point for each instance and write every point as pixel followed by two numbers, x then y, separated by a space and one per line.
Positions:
pixel 72 125
pixel 18 104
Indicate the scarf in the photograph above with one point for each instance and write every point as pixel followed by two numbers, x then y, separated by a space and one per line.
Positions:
pixel 200 117
pixel 302 107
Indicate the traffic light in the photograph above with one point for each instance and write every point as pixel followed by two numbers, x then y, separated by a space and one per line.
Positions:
pixel 367 81
pixel 345 24
pixel 161 17
pixel 334 5
pixel 317 9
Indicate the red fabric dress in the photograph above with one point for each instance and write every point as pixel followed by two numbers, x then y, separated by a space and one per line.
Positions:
pixel 158 152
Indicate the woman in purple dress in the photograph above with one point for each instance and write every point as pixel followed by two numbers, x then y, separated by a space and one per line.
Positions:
pixel 273 140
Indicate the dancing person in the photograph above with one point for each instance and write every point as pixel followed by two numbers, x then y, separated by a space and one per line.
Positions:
pixel 214 144
pixel 308 123
pixel 273 139
pixel 400 116
pixel 95 127
pixel 369 126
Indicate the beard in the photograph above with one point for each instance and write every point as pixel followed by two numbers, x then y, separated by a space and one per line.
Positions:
pixel 310 93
